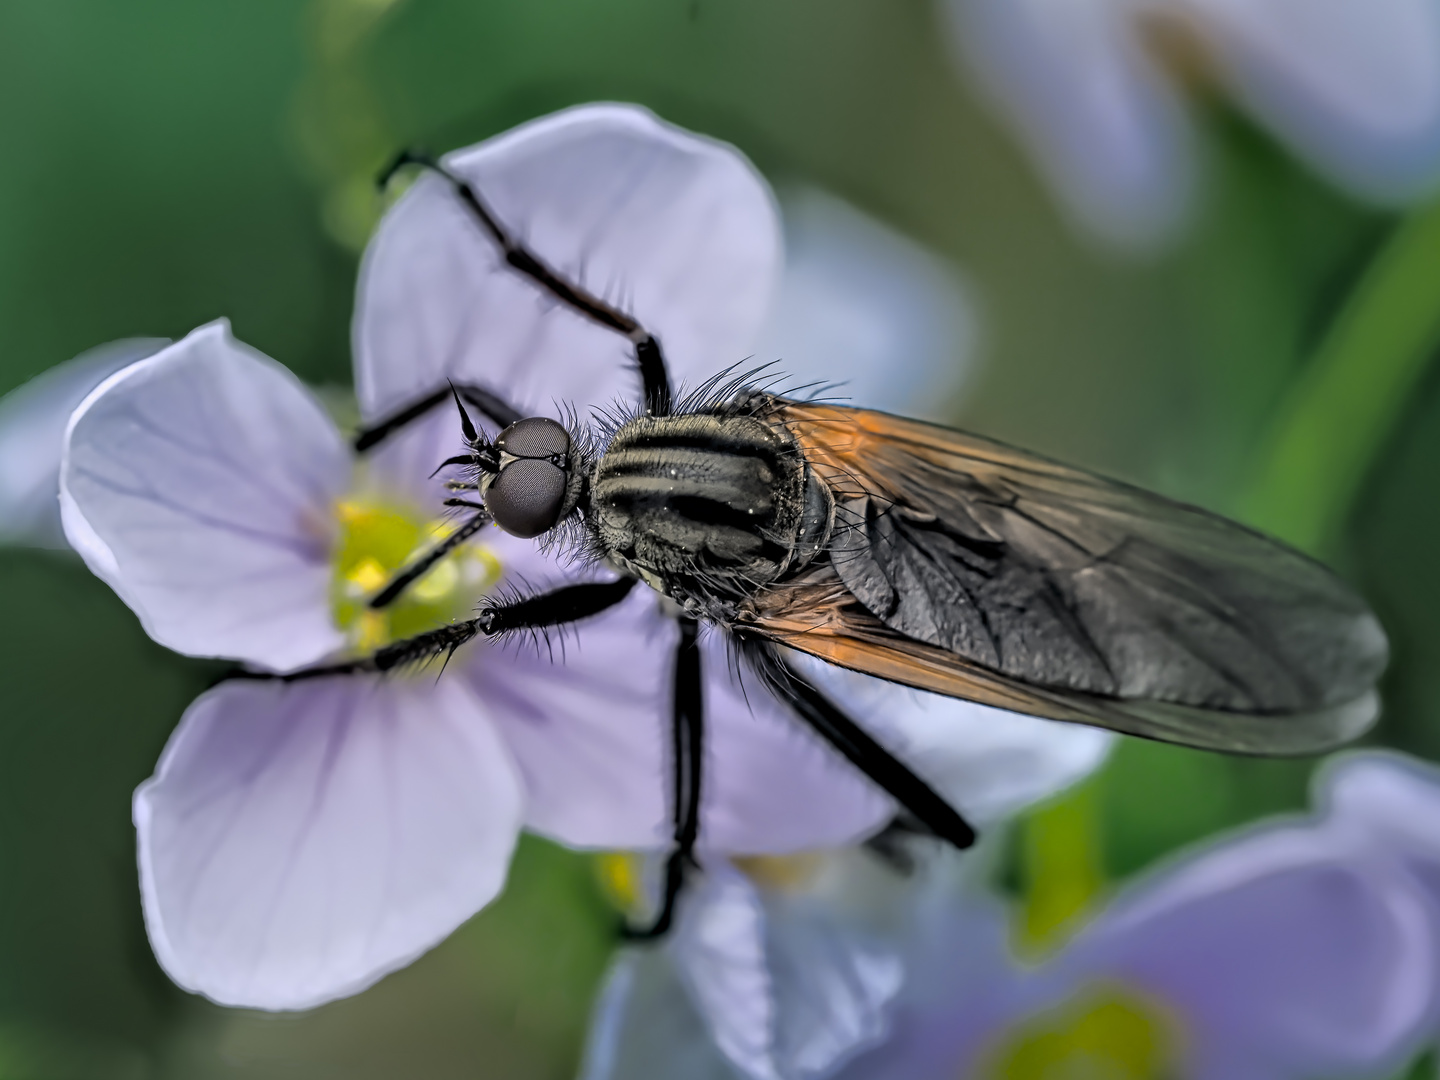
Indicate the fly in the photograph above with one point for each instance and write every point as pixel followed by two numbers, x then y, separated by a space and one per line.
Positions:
pixel 904 550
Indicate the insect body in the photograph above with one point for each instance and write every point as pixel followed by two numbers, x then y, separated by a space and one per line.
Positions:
pixel 903 550
pixel 964 567
pixel 708 507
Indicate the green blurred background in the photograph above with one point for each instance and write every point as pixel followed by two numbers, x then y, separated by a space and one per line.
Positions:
pixel 167 162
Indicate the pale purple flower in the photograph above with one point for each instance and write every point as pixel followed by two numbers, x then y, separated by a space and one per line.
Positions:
pixel 1289 950
pixel 781 969
pixel 298 841
pixel 1095 91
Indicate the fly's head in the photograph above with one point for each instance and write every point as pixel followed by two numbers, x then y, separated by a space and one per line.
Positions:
pixel 535 484
pixel 530 477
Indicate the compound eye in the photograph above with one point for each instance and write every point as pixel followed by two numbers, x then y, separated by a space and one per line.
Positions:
pixel 534 437
pixel 526 497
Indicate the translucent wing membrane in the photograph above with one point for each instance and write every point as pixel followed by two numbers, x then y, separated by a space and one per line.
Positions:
pixel 969 568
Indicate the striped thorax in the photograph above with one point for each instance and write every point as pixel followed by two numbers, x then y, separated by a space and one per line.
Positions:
pixel 707 503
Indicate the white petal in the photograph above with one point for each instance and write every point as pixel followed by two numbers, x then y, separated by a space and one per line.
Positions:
pixel 833 984
pixel 787 987
pixel 718 945
pixel 589 726
pixel 200 484
pixel 887 322
pixel 1355 87
pixel 298 841
pixel 678 229
pixel 645 1026
pixel 1099 119
pixel 988 763
pixel 32 432
pixel 771 785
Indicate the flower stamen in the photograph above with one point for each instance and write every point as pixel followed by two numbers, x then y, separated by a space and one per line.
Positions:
pixel 375 540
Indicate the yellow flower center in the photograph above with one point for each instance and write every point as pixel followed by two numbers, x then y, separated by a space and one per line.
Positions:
pixel 375 541
pixel 1105 1033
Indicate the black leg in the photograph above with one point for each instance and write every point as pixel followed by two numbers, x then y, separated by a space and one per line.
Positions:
pixel 408 574
pixel 500 412
pixel 565 605
pixel 688 736
pixel 917 797
pixel 648 356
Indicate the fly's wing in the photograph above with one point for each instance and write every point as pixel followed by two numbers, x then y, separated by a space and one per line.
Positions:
pixel 969 568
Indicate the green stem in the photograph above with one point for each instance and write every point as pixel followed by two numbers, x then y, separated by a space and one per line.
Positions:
pixel 1062 865
pixel 1342 410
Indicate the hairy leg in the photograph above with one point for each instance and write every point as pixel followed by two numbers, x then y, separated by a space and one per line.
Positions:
pixel 558 608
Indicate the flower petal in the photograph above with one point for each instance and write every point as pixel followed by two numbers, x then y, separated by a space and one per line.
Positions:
pixel 962 985
pixel 1353 87
pixel 888 323
pixel 718 946
pixel 588 724
pixel 679 229
pixel 771 785
pixel 988 763
pixel 588 721
pixel 32 433
pixel 644 1025
pixel 1286 951
pixel 1099 119
pixel 833 983
pixel 298 841
pixel 786 987
pixel 1391 797
pixel 199 484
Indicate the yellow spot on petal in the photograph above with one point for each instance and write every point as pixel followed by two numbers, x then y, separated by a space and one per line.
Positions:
pixel 781 873
pixel 621 879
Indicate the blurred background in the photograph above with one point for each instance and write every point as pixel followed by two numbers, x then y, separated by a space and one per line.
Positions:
pixel 168 162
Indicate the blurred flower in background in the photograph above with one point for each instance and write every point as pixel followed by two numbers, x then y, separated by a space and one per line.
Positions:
pixel 1287 950
pixel 1095 90
pixel 32 430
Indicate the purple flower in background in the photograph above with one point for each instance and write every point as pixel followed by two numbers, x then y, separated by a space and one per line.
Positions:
pixel 32 429
pixel 1287 951
pixel 298 841
pixel 1093 88
pixel 780 968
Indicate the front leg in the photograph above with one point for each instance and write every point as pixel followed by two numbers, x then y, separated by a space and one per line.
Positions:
pixel 565 605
